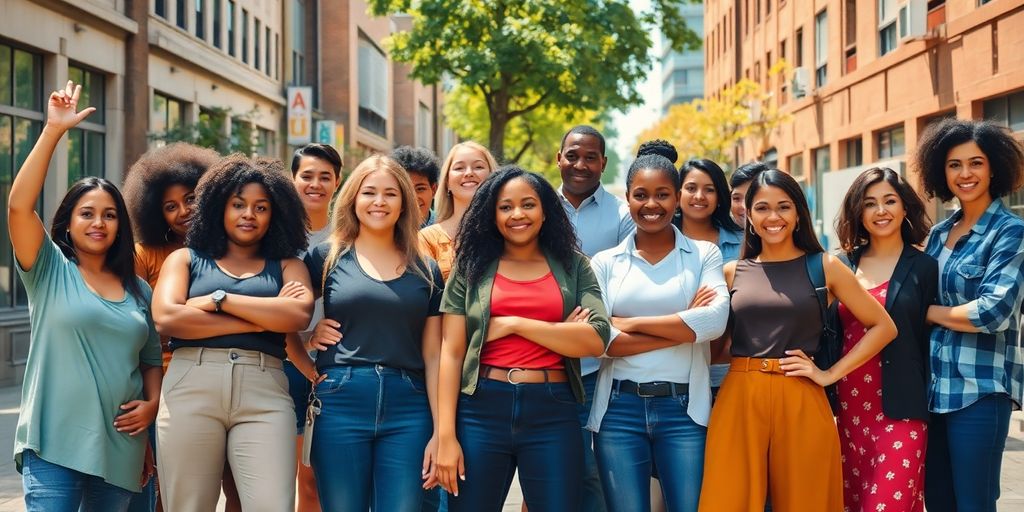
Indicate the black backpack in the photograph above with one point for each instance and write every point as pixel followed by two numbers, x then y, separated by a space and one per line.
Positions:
pixel 830 348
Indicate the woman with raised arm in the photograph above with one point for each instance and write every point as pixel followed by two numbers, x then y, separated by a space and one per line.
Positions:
pixel 92 379
pixel 977 367
pixel 653 394
pixel 466 166
pixel 521 307
pixel 226 301
pixel 772 427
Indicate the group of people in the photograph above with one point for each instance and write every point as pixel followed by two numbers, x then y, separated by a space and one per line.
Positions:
pixel 420 332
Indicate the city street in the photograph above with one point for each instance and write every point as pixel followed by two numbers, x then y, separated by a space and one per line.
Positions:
pixel 1012 499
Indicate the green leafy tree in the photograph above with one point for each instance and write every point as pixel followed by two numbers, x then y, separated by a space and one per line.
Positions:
pixel 524 55
pixel 533 139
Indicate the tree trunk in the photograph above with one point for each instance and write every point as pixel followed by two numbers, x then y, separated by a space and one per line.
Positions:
pixel 496 136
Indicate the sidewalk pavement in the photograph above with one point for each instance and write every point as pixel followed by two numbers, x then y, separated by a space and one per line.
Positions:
pixel 1012 499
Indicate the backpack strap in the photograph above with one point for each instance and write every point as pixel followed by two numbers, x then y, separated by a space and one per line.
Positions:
pixel 816 272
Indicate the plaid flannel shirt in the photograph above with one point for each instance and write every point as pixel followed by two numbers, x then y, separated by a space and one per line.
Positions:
pixel 985 271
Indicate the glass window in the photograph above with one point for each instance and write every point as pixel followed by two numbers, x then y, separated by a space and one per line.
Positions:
pixel 166 114
pixel 821 48
pixel 267 52
pixel 200 20
pixel 21 120
pixel 799 47
pixel 160 8
pixel 373 88
pixel 231 28
pixel 257 59
pixel 1006 110
pixel 245 36
pixel 891 142
pixel 181 14
pixel 267 142
pixel 217 19
pixel 86 142
pixel 298 43
pixel 854 152
pixel 887 14
pixel 424 134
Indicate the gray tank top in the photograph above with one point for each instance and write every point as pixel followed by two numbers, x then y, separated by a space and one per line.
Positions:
pixel 205 277
pixel 774 309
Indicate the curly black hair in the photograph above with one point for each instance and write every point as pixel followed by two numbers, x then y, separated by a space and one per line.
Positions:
pixel 1004 153
pixel 653 161
pixel 418 160
pixel 174 164
pixel 120 257
pixel 479 242
pixel 286 236
pixel 658 147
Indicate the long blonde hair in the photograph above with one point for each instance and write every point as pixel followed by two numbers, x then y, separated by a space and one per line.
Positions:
pixel 345 224
pixel 443 198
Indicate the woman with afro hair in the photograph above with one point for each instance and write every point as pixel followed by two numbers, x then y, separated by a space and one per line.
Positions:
pixel 226 301
pixel 160 194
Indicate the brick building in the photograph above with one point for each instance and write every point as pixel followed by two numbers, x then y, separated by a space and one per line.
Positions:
pixel 866 78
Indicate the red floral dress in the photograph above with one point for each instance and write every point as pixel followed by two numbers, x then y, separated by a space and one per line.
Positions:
pixel 883 458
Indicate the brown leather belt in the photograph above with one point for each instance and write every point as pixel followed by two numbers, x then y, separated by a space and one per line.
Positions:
pixel 755 364
pixel 522 375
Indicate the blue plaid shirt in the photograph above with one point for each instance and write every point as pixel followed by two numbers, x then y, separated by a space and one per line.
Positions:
pixel 985 271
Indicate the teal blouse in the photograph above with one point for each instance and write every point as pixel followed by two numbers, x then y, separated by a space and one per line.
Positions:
pixel 83 364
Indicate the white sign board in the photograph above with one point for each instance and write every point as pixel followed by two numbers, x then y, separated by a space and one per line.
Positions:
pixel 300 115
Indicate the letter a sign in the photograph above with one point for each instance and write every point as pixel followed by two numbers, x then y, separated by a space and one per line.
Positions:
pixel 300 115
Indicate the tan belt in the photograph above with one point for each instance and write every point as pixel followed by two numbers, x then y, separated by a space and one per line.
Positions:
pixel 755 364
pixel 523 375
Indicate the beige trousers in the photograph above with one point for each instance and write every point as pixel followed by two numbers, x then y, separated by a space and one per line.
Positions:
pixel 225 402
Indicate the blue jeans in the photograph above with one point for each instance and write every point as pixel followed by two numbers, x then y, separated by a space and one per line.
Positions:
pixel 52 488
pixel 435 500
pixel 369 438
pixel 530 426
pixel 298 389
pixel 965 452
pixel 638 433
pixel 593 493
pixel 145 501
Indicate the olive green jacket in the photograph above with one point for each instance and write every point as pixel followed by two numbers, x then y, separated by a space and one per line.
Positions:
pixel 579 288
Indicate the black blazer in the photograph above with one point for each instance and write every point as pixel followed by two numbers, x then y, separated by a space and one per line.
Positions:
pixel 905 361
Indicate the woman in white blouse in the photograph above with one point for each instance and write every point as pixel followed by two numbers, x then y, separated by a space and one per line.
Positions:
pixel 667 299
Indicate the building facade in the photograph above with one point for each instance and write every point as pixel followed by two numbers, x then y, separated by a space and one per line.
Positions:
pixel 682 73
pixel 866 78
pixel 158 68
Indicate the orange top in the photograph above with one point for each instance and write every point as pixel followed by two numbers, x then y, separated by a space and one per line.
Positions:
pixel 434 242
pixel 148 260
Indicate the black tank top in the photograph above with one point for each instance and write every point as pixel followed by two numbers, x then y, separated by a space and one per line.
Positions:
pixel 205 277
pixel 774 309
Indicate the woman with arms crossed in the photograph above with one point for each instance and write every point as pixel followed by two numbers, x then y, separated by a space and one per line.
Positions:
pixel 227 301
pixel 512 339
pixel 653 396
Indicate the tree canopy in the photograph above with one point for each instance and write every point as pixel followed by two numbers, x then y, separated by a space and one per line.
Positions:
pixel 520 56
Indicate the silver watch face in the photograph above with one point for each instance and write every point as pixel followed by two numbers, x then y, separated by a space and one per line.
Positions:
pixel 218 295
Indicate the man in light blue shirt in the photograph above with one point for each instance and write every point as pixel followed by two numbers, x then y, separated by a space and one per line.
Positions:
pixel 602 221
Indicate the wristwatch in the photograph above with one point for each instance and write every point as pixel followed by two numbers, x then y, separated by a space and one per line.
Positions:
pixel 218 298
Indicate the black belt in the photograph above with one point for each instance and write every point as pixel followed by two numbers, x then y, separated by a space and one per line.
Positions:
pixel 651 389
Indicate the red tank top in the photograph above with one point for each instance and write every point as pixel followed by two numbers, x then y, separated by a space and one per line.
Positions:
pixel 538 299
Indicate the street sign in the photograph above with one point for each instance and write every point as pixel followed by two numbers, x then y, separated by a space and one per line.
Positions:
pixel 300 115
pixel 326 132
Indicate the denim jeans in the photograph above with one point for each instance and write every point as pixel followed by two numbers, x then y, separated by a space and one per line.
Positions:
pixel 965 452
pixel 435 500
pixel 593 493
pixel 52 488
pixel 145 501
pixel 534 427
pixel 638 433
pixel 369 438
pixel 298 389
